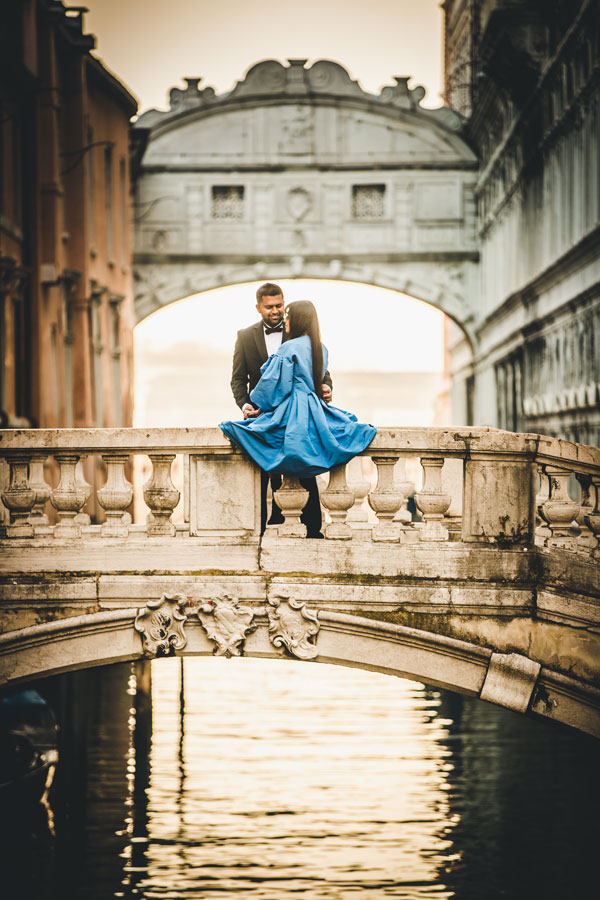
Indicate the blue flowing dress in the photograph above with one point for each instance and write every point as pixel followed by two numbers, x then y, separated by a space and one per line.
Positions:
pixel 296 433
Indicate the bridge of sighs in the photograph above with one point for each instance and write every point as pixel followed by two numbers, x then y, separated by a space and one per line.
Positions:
pixel 491 589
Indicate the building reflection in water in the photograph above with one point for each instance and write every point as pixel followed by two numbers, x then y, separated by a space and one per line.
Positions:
pixel 216 777
pixel 275 782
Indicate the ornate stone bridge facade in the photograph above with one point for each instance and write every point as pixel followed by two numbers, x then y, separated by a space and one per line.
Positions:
pixel 492 589
pixel 299 173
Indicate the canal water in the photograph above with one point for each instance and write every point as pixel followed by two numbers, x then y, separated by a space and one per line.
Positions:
pixel 280 780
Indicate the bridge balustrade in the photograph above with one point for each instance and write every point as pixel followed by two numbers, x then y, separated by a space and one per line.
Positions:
pixel 478 485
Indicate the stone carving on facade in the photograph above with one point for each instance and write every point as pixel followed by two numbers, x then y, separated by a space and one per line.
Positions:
pixel 191 96
pixel 272 78
pixel 297 131
pixel 331 77
pixel 227 623
pixel 401 95
pixel 299 203
pixel 161 625
pixel 294 627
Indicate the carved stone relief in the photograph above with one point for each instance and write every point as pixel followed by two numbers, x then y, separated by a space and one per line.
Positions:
pixel 299 202
pixel 293 627
pixel 227 623
pixel 297 131
pixel 160 624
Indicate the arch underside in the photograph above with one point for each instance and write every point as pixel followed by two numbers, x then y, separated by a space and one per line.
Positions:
pixel 347 640
pixel 441 284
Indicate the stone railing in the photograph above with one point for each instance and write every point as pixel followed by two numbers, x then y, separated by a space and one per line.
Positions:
pixel 478 485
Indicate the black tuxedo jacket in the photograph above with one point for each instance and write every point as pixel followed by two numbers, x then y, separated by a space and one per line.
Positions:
pixel 249 355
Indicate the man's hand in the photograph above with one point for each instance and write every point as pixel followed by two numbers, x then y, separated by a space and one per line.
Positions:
pixel 326 393
pixel 249 411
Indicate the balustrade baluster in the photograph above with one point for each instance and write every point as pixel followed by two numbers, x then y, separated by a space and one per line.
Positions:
pixel 542 531
pixel 592 520
pixel 338 498
pixel 432 501
pixel 403 484
pixel 161 496
pixel 559 510
pixel 38 483
pixel 19 497
pixel 115 496
pixel 82 518
pixel 385 500
pixel 586 539
pixel 291 499
pixel 359 486
pixel 69 497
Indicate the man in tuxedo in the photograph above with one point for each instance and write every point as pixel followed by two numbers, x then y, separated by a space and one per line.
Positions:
pixel 252 348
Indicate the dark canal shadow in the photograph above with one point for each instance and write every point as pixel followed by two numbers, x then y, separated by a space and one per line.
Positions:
pixel 516 809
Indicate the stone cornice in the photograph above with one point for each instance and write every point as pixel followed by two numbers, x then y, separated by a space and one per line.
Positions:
pixel 270 81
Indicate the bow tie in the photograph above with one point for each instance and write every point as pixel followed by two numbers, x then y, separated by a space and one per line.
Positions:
pixel 274 329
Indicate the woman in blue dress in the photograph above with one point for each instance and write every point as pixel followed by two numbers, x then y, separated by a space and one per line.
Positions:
pixel 297 433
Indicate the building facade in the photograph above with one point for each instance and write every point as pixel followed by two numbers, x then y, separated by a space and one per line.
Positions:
pixel 525 75
pixel 66 302
pixel 298 172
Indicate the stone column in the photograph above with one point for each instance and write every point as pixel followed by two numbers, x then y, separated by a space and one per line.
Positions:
pixel 586 539
pixel 69 497
pixel 385 500
pixel 161 496
pixel 38 483
pixel 338 499
pixel 291 499
pixel 19 497
pixel 432 501
pixel 560 509
pixel 405 486
pixel 592 520
pixel 116 495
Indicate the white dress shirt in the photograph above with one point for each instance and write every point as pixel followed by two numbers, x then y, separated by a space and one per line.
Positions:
pixel 273 341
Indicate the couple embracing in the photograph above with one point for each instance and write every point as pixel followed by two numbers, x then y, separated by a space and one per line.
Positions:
pixel 281 383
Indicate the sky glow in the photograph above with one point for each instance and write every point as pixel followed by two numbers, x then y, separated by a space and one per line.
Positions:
pixel 365 329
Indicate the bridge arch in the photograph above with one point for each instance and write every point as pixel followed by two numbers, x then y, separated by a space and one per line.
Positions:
pixel 188 280
pixel 299 173
pixel 108 637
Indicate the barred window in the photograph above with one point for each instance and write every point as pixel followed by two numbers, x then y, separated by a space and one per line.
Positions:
pixel 227 202
pixel 368 201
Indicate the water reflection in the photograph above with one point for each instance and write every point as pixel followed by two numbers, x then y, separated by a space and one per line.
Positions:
pixel 276 779
pixel 281 787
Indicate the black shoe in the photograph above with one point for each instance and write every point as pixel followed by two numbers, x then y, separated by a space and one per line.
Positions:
pixel 316 534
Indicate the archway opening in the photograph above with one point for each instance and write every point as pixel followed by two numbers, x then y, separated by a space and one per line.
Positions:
pixel 388 354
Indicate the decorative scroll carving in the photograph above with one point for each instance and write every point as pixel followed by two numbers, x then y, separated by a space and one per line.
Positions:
pixel 226 623
pixel 271 78
pixel 161 625
pixel 293 626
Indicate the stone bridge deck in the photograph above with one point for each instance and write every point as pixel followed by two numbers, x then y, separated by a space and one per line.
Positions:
pixel 494 591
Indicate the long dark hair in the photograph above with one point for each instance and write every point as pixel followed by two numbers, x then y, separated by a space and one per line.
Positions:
pixel 304 320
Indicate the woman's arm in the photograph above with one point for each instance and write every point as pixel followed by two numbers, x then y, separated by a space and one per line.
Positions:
pixel 275 382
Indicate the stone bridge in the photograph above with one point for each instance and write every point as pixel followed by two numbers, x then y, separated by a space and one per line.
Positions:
pixel 491 588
